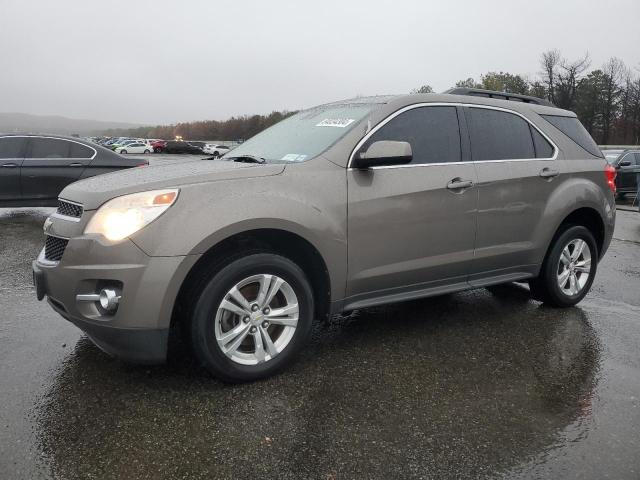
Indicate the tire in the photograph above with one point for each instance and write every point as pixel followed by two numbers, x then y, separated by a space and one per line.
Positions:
pixel 546 287
pixel 157 150
pixel 216 155
pixel 123 151
pixel 146 151
pixel 218 321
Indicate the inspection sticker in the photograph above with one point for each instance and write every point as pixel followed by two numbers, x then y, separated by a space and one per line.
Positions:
pixel 336 122
pixel 294 157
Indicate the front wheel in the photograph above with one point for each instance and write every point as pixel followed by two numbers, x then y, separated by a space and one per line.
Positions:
pixel 123 151
pixel 252 317
pixel 146 151
pixel 569 269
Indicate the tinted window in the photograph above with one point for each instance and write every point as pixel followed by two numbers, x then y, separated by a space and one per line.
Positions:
pixel 637 158
pixel 80 151
pixel 433 133
pixel 49 148
pixel 573 129
pixel 12 147
pixel 498 135
pixel 543 148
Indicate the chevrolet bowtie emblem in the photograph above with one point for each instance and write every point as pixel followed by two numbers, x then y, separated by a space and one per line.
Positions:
pixel 47 224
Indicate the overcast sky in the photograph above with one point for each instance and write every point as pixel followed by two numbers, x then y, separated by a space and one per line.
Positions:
pixel 168 61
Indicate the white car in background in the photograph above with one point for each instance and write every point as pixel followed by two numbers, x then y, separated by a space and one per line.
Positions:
pixel 215 149
pixel 135 147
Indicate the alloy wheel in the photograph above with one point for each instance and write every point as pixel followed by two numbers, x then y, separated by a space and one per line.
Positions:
pixel 256 319
pixel 574 267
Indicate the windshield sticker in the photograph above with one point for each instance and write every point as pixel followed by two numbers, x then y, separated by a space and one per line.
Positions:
pixel 336 122
pixel 294 157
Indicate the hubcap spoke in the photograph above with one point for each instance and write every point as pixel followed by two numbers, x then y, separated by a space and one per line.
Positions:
pixel 573 284
pixel 281 312
pixel 233 346
pixel 566 256
pixel 259 353
pixel 232 307
pixel 268 343
pixel 238 297
pixel 285 322
pixel 265 282
pixel 273 289
pixel 563 277
pixel 577 249
pixel 584 267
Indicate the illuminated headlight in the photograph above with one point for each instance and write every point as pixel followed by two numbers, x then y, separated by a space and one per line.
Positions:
pixel 123 216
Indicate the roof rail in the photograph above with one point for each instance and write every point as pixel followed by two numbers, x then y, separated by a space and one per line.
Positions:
pixel 478 92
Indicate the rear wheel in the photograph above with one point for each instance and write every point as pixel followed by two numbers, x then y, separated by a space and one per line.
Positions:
pixel 252 317
pixel 146 151
pixel 569 269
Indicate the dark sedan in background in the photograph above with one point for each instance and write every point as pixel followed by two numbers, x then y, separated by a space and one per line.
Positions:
pixel 627 164
pixel 35 168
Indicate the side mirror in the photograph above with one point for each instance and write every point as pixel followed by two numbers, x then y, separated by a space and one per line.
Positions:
pixel 384 152
pixel 625 163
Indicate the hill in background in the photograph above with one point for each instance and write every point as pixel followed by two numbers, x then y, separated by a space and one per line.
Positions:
pixel 11 122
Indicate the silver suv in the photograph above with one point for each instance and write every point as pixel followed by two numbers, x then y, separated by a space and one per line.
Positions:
pixel 343 206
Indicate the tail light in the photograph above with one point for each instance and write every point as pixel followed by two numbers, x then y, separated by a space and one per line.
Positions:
pixel 145 164
pixel 610 173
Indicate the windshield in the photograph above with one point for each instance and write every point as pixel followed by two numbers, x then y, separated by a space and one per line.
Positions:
pixel 305 134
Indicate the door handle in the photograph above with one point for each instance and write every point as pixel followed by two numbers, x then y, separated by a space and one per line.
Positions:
pixel 10 165
pixel 459 184
pixel 548 173
pixel 75 164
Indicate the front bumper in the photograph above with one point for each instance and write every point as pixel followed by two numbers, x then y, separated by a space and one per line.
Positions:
pixel 138 331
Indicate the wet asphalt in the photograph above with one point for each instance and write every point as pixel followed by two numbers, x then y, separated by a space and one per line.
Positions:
pixel 480 384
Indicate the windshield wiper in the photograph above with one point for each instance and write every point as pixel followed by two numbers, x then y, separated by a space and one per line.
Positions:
pixel 246 159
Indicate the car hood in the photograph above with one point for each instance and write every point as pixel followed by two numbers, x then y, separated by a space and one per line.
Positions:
pixel 94 191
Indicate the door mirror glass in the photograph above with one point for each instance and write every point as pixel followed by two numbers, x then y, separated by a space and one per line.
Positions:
pixel 384 152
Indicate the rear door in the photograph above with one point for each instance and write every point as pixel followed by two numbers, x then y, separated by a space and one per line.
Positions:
pixel 408 230
pixel 51 164
pixel 518 171
pixel 626 181
pixel 11 157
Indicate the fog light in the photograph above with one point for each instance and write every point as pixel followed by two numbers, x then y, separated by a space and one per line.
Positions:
pixel 109 300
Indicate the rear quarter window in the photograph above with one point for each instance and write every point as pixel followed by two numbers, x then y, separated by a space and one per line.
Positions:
pixel 573 129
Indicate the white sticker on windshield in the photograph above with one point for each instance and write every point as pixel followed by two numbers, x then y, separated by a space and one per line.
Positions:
pixel 336 122
pixel 294 157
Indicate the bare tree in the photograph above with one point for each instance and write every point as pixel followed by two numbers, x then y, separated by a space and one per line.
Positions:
pixel 570 73
pixel 613 72
pixel 550 61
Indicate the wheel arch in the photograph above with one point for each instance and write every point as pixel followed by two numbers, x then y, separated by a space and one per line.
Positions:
pixel 276 240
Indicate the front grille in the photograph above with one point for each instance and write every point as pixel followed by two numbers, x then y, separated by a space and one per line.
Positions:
pixel 54 248
pixel 69 209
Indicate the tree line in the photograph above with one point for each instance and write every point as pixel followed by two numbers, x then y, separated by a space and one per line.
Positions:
pixel 236 128
pixel 606 100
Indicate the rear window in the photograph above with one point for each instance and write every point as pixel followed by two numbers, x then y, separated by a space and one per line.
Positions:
pixel 573 129
pixel 12 147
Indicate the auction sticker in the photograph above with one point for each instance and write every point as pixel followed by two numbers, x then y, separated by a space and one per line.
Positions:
pixel 336 122
pixel 294 157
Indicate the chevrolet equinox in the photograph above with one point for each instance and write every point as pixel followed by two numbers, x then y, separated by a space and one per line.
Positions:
pixel 339 207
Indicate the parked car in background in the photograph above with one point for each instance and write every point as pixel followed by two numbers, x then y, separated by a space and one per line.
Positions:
pixel 135 147
pixel 215 150
pixel 158 145
pixel 627 164
pixel 35 168
pixel 181 147
pixel 440 193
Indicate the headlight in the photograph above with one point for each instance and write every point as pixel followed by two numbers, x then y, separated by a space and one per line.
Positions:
pixel 123 216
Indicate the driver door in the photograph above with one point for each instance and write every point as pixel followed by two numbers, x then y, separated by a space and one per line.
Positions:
pixel 410 230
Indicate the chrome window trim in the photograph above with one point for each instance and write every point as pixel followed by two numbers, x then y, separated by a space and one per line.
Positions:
pixel 95 152
pixel 450 104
